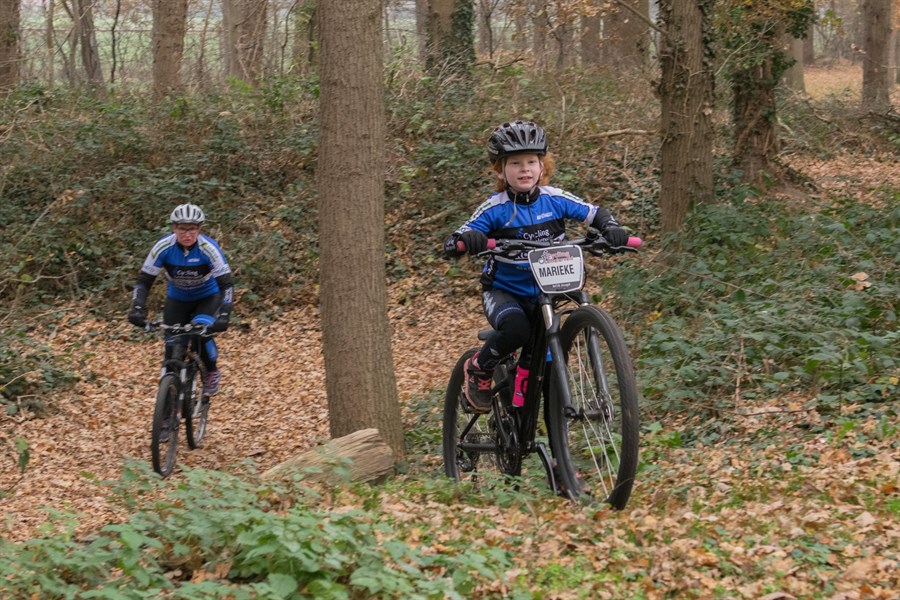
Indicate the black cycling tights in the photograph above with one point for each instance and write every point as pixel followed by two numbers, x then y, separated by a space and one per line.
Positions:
pixel 508 315
pixel 177 312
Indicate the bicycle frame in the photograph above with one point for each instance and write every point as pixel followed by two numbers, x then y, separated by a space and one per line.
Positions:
pixel 544 336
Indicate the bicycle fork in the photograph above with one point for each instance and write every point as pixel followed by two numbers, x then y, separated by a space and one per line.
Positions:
pixel 557 364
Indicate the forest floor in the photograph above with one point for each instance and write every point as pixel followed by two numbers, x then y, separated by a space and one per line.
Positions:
pixel 773 475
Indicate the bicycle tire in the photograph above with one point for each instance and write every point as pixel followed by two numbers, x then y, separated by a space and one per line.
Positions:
pixel 166 411
pixel 460 464
pixel 196 410
pixel 596 450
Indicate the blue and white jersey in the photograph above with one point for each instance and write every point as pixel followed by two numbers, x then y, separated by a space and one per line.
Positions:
pixel 191 271
pixel 542 219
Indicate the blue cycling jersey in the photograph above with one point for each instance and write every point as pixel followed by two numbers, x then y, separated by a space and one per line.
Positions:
pixel 541 218
pixel 191 271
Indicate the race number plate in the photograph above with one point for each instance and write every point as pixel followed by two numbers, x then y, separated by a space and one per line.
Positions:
pixel 558 269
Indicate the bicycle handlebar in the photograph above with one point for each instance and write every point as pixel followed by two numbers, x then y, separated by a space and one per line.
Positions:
pixel 596 241
pixel 178 329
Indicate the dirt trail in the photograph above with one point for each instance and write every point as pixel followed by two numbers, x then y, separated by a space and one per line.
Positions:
pixel 272 404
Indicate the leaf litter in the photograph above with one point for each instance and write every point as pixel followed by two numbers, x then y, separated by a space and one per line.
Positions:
pixel 788 503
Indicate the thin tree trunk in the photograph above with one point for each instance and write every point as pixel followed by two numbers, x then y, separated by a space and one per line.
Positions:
pixel 50 44
pixel 201 69
pixel 114 42
pixel 69 65
pixel 540 24
pixel 169 26
pixel 9 44
pixel 876 63
pixel 686 95
pixel 356 335
pixel 90 56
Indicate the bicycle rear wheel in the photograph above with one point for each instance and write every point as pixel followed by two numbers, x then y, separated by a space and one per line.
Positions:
pixel 470 449
pixel 196 410
pixel 595 443
pixel 165 420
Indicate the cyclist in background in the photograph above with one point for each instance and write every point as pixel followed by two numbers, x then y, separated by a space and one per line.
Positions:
pixel 199 289
pixel 523 207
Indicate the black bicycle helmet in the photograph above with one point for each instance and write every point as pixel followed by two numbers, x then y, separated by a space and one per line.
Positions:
pixel 515 137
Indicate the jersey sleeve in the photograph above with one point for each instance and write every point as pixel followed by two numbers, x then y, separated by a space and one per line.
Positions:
pixel 482 219
pixel 218 263
pixel 153 264
pixel 573 207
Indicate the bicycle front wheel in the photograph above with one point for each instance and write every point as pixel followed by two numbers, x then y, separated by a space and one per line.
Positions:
pixel 164 431
pixel 196 411
pixel 594 432
pixel 470 449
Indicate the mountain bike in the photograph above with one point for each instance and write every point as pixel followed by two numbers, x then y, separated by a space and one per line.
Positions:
pixel 579 367
pixel 180 395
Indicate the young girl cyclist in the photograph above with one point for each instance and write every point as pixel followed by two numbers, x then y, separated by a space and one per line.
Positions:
pixel 200 288
pixel 523 207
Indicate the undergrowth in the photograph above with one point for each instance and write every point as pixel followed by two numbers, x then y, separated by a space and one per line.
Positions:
pixel 215 535
pixel 761 299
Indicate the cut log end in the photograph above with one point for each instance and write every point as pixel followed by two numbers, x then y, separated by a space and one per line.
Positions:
pixel 360 457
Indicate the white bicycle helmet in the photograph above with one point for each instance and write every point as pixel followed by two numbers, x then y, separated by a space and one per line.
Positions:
pixel 187 213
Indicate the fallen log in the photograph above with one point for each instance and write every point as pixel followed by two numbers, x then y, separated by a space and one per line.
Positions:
pixel 361 456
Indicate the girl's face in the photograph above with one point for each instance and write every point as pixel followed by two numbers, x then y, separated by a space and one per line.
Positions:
pixel 186 233
pixel 523 171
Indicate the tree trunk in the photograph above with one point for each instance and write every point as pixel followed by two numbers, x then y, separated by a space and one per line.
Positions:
pixel 356 333
pixel 590 39
pixel 686 94
pixel 169 25
pixel 369 458
pixel 793 76
pixel 87 37
pixel 809 46
pixel 451 39
pixel 244 24
pixel 9 44
pixel 305 38
pixel 876 63
pixel 50 44
pixel 626 35
pixel 422 30
pixel 564 34
pixel 755 136
pixel 896 37
pixel 520 37
pixel 485 31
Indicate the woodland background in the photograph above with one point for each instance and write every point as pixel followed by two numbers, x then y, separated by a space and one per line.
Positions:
pixel 752 145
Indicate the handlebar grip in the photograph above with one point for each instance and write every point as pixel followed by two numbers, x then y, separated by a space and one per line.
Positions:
pixel 461 246
pixel 634 242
